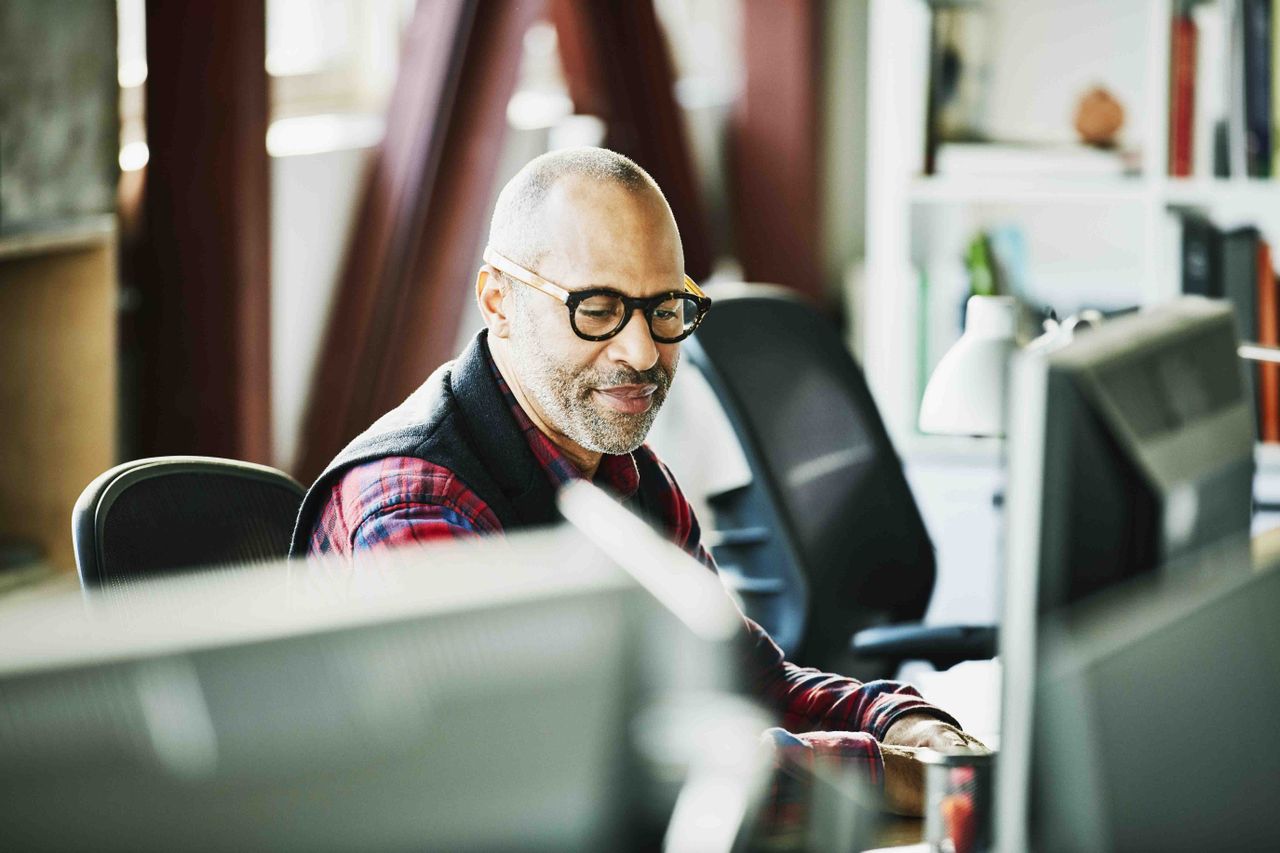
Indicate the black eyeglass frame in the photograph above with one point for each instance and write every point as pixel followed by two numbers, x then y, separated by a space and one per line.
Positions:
pixel 573 298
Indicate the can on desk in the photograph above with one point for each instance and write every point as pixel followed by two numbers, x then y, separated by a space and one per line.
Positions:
pixel 958 799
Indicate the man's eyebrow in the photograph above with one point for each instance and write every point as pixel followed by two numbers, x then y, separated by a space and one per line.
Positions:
pixel 611 288
pixel 676 287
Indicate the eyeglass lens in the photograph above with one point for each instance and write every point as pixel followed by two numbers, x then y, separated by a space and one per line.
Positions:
pixel 603 313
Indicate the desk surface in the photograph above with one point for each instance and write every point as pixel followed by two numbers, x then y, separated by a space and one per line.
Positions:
pixel 970 691
pixel 898 831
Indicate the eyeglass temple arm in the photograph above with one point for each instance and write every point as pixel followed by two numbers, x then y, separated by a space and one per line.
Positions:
pixel 529 277
pixel 504 264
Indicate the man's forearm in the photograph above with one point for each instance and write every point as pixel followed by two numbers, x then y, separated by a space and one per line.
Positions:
pixel 811 700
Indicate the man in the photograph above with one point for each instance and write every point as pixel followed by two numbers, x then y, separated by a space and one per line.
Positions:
pixel 585 301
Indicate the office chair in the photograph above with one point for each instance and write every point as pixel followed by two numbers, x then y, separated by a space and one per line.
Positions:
pixel 153 516
pixel 828 507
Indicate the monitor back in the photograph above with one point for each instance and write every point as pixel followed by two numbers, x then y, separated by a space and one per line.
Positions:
pixel 1130 468
pixel 1153 719
pixel 473 696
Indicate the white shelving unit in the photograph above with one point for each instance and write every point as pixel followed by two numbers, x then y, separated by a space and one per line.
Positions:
pixel 1096 241
pixel 1108 241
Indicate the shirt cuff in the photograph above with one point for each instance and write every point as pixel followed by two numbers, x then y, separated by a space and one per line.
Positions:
pixel 896 700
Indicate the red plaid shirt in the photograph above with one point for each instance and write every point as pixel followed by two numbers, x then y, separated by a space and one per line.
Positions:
pixel 400 500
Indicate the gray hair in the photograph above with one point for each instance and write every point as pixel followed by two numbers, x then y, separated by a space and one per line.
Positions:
pixel 516 228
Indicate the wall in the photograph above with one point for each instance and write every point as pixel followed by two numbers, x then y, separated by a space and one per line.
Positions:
pixel 59 102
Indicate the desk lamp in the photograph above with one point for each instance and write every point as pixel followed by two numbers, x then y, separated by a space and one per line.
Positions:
pixel 968 391
pixel 966 394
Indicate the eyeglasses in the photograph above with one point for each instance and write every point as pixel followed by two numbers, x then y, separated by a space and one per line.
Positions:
pixel 599 313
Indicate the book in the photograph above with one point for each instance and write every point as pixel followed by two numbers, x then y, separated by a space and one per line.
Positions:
pixel 1201 249
pixel 1234 144
pixel 1182 93
pixel 1275 84
pixel 1239 277
pixel 1257 87
pixel 1239 273
pixel 1268 335
pixel 958 73
pixel 1210 105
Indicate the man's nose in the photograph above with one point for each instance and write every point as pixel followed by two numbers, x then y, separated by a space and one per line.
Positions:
pixel 634 345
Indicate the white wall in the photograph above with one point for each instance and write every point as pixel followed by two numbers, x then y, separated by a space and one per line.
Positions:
pixel 1078 44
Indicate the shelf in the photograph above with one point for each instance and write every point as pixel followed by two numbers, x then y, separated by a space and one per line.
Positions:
pixel 57 237
pixel 1007 189
pixel 1010 189
pixel 1244 191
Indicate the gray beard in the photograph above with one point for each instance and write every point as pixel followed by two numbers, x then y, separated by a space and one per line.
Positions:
pixel 565 397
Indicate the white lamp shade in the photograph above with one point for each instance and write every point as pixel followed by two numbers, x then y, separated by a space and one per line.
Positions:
pixel 966 394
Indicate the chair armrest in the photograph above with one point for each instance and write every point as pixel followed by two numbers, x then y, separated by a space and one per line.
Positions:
pixel 941 645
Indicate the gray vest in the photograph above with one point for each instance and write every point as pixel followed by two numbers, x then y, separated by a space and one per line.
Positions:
pixel 460 420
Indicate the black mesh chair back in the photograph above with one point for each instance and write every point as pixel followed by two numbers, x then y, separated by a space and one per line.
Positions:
pixel 835 486
pixel 174 513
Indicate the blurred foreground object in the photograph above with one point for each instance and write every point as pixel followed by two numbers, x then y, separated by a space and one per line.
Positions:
pixel 958 804
pixel 494 694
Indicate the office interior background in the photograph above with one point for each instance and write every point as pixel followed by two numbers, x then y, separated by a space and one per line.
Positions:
pixel 178 285
pixel 247 229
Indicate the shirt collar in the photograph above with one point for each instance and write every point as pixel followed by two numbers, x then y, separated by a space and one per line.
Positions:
pixel 617 472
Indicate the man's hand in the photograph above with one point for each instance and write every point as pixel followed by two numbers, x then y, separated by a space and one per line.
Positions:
pixel 903 772
pixel 917 730
pixel 903 780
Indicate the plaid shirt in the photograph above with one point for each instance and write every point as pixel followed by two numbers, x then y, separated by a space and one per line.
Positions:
pixel 399 500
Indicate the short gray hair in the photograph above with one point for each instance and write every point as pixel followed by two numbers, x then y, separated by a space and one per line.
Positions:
pixel 515 229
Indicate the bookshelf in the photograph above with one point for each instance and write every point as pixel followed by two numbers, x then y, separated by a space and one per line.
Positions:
pixel 1107 241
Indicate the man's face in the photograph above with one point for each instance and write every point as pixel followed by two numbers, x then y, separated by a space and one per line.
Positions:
pixel 602 395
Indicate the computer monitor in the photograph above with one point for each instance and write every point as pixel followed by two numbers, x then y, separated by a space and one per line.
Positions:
pixel 522 693
pixel 1140 652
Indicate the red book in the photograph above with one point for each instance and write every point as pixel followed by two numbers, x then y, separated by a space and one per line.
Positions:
pixel 1182 94
pixel 1268 335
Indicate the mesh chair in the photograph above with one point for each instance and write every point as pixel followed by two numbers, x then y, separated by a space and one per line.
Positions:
pixel 160 515
pixel 828 504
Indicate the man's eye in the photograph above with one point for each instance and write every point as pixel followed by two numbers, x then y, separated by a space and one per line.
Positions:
pixel 596 313
pixel 665 314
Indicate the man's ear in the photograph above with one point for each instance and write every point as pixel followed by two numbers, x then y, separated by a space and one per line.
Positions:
pixel 491 298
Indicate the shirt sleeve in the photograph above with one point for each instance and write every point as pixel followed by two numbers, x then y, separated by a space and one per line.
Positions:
pixel 411 524
pixel 808 699
pixel 399 501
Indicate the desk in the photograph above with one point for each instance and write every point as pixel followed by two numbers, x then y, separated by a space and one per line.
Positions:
pixel 895 832
pixel 970 691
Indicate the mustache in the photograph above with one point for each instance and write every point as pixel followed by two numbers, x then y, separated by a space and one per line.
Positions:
pixel 655 375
